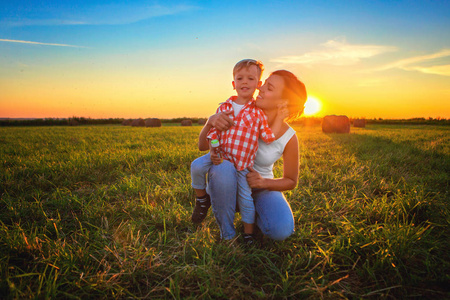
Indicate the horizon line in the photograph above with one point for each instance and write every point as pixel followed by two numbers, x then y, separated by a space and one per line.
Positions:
pixel 185 117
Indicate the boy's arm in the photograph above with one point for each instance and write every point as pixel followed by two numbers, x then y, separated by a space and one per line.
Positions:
pixel 277 124
pixel 265 132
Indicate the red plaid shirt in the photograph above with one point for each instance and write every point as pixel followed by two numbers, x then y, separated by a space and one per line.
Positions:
pixel 239 143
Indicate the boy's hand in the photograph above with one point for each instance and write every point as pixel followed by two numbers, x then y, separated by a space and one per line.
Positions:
pixel 254 179
pixel 221 121
pixel 283 111
pixel 214 157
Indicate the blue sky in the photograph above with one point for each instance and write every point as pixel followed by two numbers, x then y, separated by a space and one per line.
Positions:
pixel 174 58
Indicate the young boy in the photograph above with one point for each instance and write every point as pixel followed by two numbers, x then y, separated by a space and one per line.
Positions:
pixel 237 144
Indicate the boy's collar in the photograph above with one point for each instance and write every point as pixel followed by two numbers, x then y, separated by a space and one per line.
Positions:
pixel 233 98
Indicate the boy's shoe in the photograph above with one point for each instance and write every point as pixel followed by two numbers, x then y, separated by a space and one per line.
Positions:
pixel 249 239
pixel 201 209
pixel 258 235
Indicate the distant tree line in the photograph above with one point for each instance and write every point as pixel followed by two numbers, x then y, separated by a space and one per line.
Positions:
pixel 413 121
pixel 178 120
pixel 306 121
pixel 58 122
pixel 75 121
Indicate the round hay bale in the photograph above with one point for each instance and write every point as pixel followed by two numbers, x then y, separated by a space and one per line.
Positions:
pixel 127 122
pixel 359 123
pixel 153 122
pixel 202 121
pixel 336 124
pixel 186 123
pixel 138 123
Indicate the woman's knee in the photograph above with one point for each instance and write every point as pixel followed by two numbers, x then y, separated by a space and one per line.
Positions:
pixel 275 215
pixel 280 232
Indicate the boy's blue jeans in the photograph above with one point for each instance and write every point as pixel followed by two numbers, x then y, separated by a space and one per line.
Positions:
pixel 273 214
pixel 200 167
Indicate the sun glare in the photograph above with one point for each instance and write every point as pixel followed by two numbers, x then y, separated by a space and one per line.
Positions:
pixel 312 106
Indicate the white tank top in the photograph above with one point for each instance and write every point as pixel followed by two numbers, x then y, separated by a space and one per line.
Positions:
pixel 268 154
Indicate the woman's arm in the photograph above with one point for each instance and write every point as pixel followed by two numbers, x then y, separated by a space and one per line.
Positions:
pixel 203 143
pixel 290 171
pixel 220 121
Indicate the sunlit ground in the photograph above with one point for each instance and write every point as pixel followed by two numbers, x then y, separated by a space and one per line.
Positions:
pixel 312 106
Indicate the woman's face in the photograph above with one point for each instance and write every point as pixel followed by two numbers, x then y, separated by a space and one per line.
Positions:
pixel 270 93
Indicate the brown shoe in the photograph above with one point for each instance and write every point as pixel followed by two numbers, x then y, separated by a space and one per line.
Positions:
pixel 201 209
pixel 249 239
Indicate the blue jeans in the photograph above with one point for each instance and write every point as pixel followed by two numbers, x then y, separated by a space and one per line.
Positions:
pixel 199 169
pixel 273 213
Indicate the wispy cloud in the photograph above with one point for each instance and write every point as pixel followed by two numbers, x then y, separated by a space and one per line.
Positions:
pixel 40 22
pixel 110 14
pixel 336 52
pixel 436 70
pixel 127 14
pixel 413 64
pixel 39 43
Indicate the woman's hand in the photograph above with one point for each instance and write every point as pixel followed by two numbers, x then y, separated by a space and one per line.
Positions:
pixel 254 179
pixel 221 121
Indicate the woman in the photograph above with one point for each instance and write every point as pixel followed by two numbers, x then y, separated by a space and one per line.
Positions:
pixel 274 215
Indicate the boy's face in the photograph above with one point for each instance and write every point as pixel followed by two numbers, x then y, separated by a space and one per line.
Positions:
pixel 246 81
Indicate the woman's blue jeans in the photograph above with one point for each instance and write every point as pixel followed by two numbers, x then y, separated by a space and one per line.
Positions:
pixel 273 213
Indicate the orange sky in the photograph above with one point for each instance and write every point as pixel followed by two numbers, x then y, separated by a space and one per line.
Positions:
pixel 105 93
pixel 133 60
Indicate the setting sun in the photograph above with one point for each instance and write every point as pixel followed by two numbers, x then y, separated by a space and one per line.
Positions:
pixel 147 67
pixel 312 106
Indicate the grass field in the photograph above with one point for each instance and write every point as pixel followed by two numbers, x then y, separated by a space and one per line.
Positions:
pixel 104 212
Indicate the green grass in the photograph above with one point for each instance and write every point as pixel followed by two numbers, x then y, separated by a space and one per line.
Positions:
pixel 104 212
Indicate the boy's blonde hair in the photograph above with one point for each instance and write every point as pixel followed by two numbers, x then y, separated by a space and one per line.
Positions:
pixel 246 63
